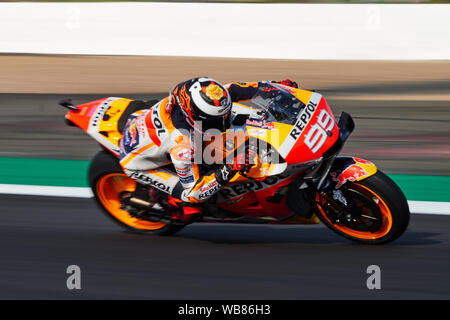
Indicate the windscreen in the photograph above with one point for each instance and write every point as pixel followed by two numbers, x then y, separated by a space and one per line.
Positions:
pixel 275 103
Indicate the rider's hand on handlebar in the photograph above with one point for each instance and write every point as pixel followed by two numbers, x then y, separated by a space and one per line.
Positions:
pixel 242 162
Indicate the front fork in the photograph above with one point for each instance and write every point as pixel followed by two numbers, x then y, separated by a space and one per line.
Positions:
pixel 332 189
pixel 333 171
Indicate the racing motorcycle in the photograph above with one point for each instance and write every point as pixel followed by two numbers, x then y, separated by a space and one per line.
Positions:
pixel 298 175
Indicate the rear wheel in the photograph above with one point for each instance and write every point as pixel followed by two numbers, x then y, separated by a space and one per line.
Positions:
pixel 377 211
pixel 109 183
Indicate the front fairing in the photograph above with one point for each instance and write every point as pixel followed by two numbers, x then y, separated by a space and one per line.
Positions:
pixel 302 134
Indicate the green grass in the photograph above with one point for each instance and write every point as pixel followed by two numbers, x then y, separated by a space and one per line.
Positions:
pixel 423 188
pixel 71 173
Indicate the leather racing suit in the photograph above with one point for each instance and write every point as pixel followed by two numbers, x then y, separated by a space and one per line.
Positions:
pixel 156 137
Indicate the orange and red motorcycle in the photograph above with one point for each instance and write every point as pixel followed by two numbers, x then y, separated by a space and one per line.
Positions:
pixel 298 176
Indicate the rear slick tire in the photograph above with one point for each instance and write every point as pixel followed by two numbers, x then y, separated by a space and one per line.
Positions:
pixel 107 181
pixel 392 205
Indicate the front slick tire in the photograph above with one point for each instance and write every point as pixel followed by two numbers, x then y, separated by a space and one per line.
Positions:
pixel 108 181
pixel 384 209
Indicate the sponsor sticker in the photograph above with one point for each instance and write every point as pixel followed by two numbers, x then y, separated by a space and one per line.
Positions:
pixel 141 123
pixel 214 92
pixel 351 173
pixel 160 129
pixel 131 136
pixel 302 121
pixel 152 182
pixel 247 186
pixel 183 172
pixel 186 175
pixel 260 123
pixel 185 154
pixel 209 186
pixel 187 180
pixel 209 190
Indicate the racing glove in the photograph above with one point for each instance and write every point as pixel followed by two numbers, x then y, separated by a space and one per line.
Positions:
pixel 288 82
pixel 242 162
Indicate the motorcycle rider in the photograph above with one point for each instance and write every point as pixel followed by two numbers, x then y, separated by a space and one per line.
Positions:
pixel 154 138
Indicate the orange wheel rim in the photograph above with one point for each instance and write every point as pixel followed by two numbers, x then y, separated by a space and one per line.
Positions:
pixel 109 188
pixel 386 217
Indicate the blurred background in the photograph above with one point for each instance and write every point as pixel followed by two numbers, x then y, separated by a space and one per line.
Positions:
pixel 401 109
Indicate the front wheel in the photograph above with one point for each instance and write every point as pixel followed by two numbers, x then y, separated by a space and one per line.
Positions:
pixel 371 211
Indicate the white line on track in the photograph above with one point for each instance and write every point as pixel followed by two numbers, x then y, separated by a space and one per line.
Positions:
pixel 423 207
pixel 429 207
pixel 74 192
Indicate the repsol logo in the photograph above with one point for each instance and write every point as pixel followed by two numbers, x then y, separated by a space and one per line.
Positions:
pixel 303 120
pixel 244 187
pixel 209 192
pixel 147 180
pixel 157 123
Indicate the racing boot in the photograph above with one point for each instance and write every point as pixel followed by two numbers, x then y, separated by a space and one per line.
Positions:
pixel 143 198
pixel 190 212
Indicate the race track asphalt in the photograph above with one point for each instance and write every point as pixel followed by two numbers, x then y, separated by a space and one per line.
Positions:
pixel 40 237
